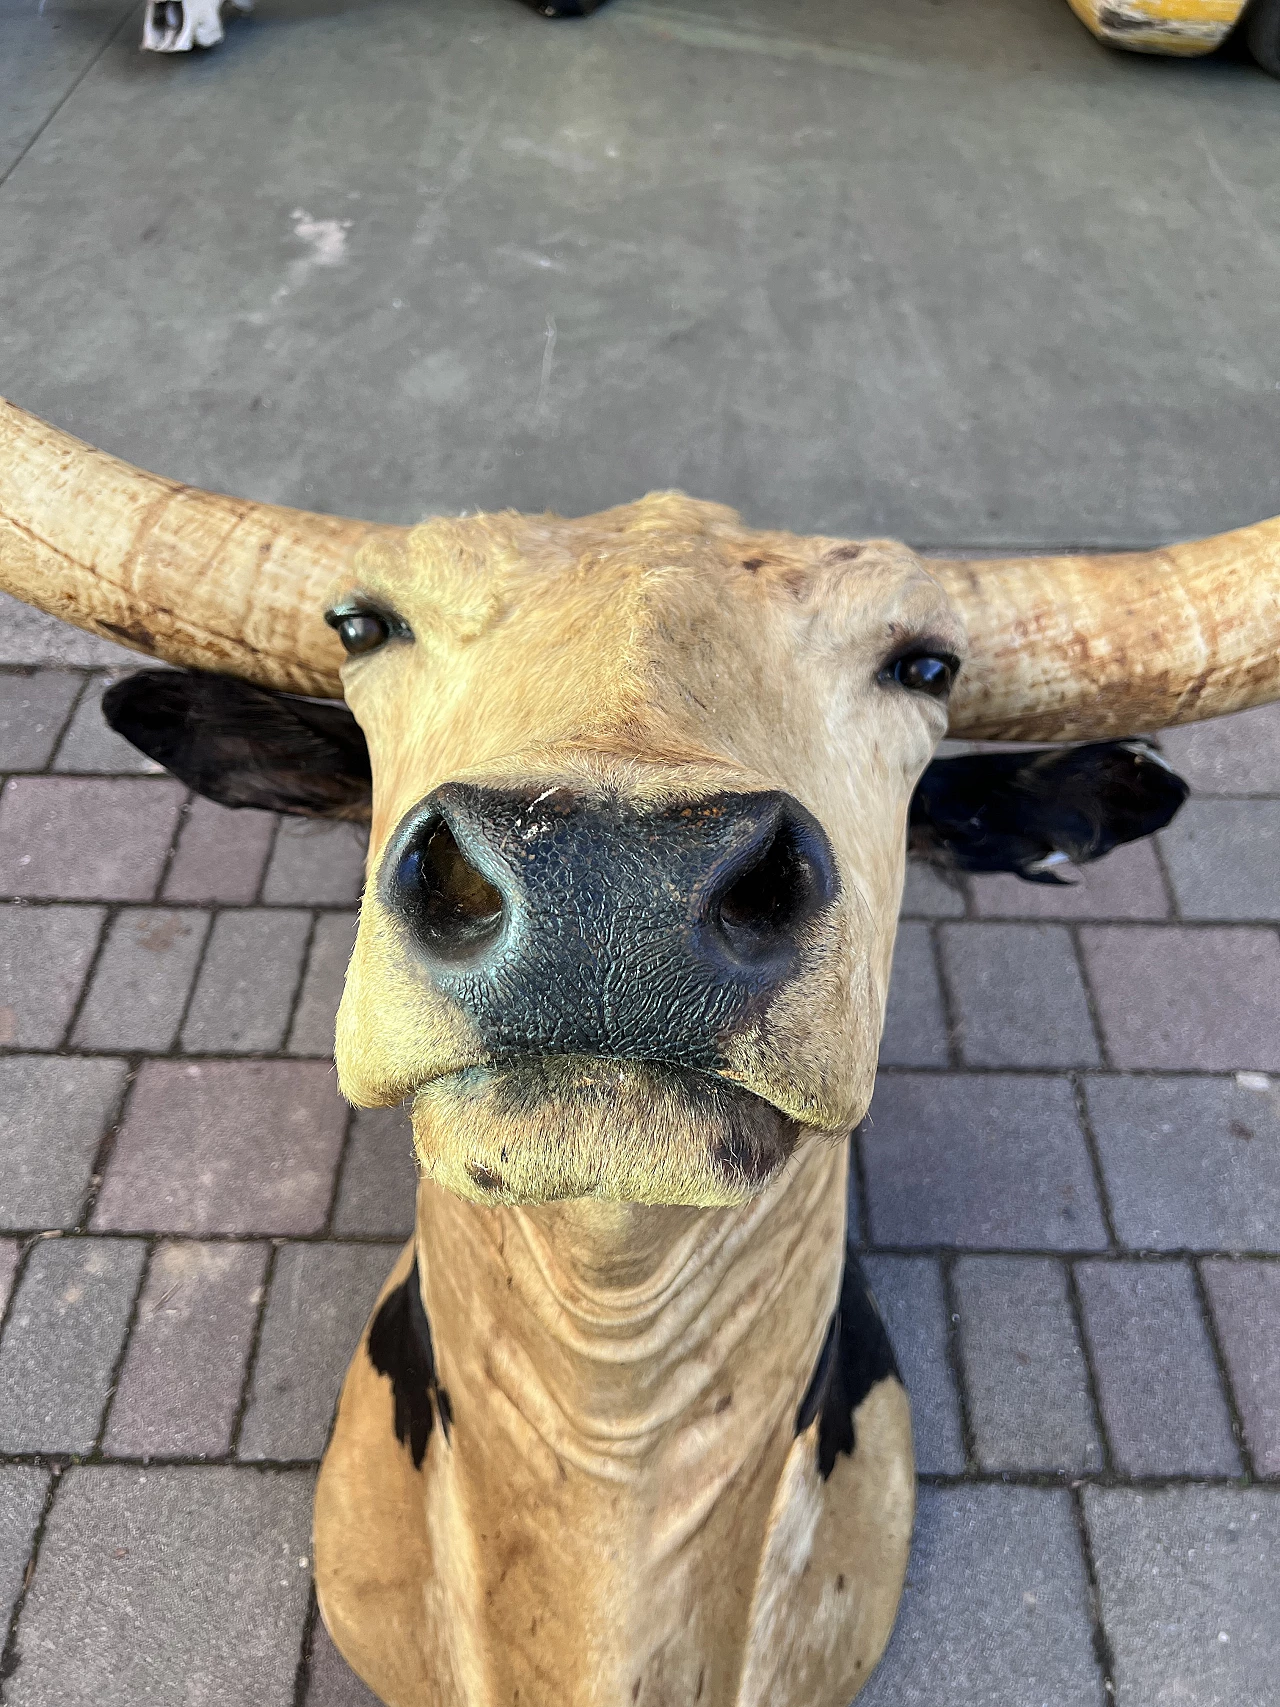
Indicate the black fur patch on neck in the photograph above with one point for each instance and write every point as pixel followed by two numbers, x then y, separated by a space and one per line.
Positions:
pixel 855 1355
pixel 400 1348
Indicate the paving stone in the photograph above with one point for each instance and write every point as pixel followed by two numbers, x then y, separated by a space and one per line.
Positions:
pixel 928 895
pixel 141 980
pixel 246 984
pixel 180 1385
pixel 319 1301
pixel 331 944
pixel 28 636
pixel 1245 1298
pixel 995 1609
pixel 220 854
pixel 1190 1163
pixel 909 1293
pixel 316 864
pixel 1125 885
pixel 1157 1379
pixel 86 839
pixel 332 1682
pixel 980 1161
pixel 1189 1580
pixel 1207 999
pixel 1229 755
pixel 171 1584
pixel 225 1147
pixel 33 709
pixel 379 1185
pixel 53 1112
pixel 44 955
pixel 22 1495
pixel 1224 859
pixel 10 1251
pixel 91 744
pixel 1028 1386
pixel 1018 996
pixel 915 1027
pixel 62 1339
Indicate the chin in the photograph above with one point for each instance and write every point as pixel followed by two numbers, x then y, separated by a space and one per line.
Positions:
pixel 626 1131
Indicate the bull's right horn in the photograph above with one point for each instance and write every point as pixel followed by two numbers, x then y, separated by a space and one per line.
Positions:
pixel 1086 648
pixel 210 582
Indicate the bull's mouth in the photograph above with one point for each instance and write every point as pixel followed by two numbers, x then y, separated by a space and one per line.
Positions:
pixel 536 1129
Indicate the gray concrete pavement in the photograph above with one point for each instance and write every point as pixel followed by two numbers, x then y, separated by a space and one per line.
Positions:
pixel 954 272
pixel 948 270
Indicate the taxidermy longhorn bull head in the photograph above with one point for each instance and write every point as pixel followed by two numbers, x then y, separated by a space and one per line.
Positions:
pixel 625 1428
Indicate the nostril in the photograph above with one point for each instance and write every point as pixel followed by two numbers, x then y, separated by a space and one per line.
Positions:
pixel 764 904
pixel 455 908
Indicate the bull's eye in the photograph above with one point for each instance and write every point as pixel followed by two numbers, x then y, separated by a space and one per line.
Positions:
pixel 359 630
pixel 923 672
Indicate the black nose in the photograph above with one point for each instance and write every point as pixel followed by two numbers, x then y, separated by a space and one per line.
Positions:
pixel 568 926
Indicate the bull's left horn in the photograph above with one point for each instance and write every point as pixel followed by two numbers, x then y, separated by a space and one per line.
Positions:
pixel 1086 648
pixel 192 577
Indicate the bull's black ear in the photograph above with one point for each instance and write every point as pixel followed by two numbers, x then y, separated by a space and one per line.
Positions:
pixel 246 746
pixel 1029 812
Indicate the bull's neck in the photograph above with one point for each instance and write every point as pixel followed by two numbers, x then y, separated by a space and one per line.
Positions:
pixel 623 1382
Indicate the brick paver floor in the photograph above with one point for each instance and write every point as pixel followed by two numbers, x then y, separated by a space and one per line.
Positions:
pixel 1068 1187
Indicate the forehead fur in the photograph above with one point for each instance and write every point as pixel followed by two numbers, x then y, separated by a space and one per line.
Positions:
pixel 465 572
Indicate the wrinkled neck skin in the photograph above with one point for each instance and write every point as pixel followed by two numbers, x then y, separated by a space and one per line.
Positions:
pixel 623 1383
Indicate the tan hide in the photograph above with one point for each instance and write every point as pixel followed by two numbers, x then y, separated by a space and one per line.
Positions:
pixel 623 1513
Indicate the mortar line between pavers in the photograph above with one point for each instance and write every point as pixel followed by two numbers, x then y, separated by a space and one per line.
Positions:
pixel 260 1235
pixel 1076 1302
pixel 257 1236
pixel 58 1462
pixel 77 1052
pixel 1049 1480
pixel 1166 878
pixel 27 1242
pixel 58 106
pixel 955 1360
pixel 86 676
pixel 1111 921
pixel 170 853
pixel 1110 1480
pixel 1224 1371
pixel 339 1171
pixel 1090 997
pixel 266 862
pixel 1094 1150
pixel 302 1672
pixel 107 1143
pixel 299 984
pixel 111 911
pixel 1103 1652
pixel 117 1368
pixel 169 906
pixel 950 1014
pixel 175 1051
pixel 251 1357
pixel 9 1654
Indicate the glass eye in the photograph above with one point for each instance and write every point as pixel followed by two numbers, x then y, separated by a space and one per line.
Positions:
pixel 359 630
pixel 925 672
